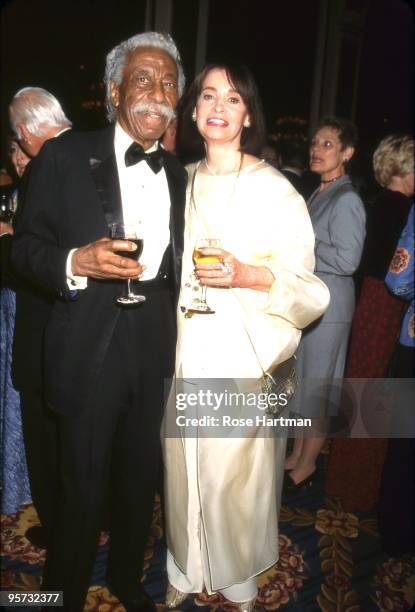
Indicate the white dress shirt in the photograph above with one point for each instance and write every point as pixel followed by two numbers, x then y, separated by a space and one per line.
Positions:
pixel 145 199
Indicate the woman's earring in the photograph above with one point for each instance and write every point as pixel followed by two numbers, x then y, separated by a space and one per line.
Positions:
pixel 194 115
pixel 345 160
pixel 247 123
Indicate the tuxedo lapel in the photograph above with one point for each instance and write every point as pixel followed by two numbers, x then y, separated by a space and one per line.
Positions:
pixel 104 173
pixel 177 180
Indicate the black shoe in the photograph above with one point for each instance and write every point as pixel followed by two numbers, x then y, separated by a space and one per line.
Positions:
pixel 37 536
pixel 138 602
pixel 290 486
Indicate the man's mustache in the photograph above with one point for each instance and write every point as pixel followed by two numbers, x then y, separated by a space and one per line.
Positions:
pixel 159 109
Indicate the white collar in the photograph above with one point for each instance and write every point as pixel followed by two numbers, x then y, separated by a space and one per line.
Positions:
pixel 61 132
pixel 292 169
pixel 122 140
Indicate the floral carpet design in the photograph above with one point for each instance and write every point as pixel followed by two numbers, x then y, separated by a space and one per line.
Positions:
pixel 330 560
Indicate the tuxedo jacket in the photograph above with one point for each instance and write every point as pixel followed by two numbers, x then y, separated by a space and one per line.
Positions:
pixel 73 194
pixel 32 313
pixel 294 179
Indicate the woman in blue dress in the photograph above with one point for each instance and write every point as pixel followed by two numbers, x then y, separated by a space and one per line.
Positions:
pixel 13 476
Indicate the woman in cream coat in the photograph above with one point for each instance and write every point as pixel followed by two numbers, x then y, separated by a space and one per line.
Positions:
pixel 221 492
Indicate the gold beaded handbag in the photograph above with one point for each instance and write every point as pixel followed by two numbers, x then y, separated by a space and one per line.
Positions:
pixel 282 381
pixel 279 380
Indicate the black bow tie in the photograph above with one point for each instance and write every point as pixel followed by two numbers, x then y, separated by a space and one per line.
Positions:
pixel 135 153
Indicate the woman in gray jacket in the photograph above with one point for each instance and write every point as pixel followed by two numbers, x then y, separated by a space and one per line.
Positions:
pixel 338 217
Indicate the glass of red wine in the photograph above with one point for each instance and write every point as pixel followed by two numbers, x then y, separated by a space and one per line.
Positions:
pixel 133 233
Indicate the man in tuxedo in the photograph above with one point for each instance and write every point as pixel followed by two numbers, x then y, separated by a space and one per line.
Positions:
pixel 105 363
pixel 35 116
pixel 293 164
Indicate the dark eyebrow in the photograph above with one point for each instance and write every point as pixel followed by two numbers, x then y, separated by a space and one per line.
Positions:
pixel 141 70
pixel 230 91
pixel 148 70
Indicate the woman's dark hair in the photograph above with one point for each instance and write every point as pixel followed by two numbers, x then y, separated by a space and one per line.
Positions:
pixel 346 130
pixel 190 143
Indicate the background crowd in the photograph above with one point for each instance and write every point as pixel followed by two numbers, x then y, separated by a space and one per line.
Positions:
pixel 361 244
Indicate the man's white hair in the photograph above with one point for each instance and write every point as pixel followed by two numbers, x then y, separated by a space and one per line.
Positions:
pixel 118 58
pixel 38 110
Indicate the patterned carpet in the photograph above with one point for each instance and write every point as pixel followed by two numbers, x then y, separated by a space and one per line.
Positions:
pixel 329 560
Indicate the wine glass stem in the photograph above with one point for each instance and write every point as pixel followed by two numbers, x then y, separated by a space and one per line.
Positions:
pixel 204 290
pixel 129 286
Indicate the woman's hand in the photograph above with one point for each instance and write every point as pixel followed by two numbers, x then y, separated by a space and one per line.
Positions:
pixel 230 272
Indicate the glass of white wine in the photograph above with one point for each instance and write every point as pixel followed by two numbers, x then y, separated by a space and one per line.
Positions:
pixel 200 257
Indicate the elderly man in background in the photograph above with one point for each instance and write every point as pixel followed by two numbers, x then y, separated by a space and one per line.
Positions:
pixel 35 116
pixel 105 363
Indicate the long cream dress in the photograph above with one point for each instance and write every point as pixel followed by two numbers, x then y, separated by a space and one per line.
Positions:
pixel 221 492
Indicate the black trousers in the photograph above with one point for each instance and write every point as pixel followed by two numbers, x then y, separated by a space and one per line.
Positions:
pixel 39 423
pixel 115 444
pixel 396 498
pixel 40 438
